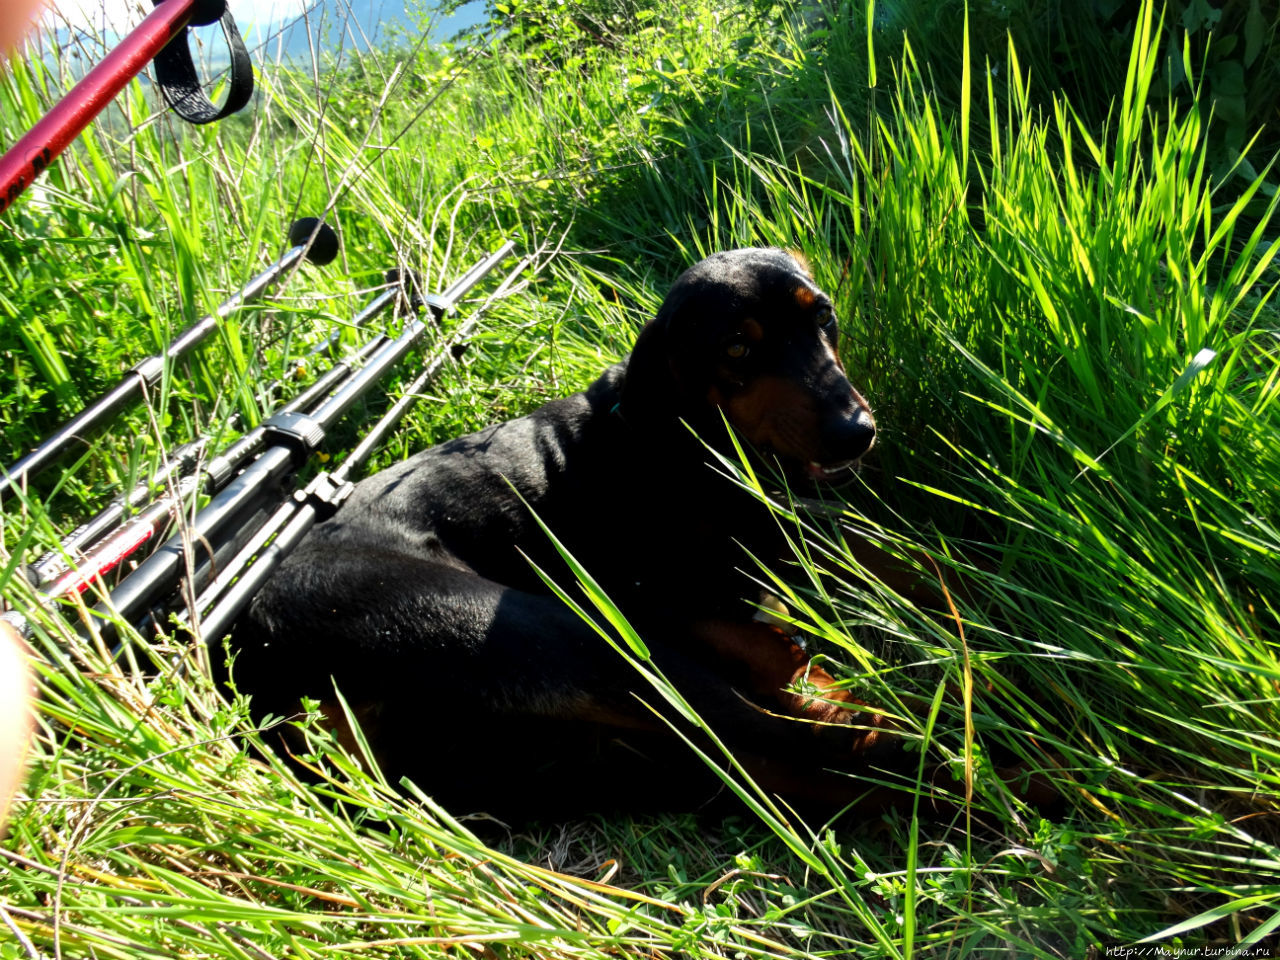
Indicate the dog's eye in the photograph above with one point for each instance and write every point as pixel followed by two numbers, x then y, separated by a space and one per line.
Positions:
pixel 737 350
pixel 827 319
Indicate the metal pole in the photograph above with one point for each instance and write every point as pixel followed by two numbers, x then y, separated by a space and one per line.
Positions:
pixel 28 158
pixel 232 590
pixel 312 239
pixel 100 545
pixel 295 437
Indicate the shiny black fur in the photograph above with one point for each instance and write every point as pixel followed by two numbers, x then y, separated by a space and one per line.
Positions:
pixel 420 600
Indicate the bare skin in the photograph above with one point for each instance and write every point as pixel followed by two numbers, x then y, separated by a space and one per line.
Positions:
pixel 15 713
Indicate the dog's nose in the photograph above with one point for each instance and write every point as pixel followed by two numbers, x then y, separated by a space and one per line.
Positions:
pixel 849 438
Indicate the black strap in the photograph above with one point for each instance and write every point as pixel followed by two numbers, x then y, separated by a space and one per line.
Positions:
pixel 176 71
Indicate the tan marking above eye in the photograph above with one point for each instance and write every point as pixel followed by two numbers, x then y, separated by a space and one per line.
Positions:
pixel 803 297
pixel 802 262
pixel 752 329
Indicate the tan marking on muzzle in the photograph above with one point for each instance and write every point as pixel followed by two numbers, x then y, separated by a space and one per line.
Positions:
pixel 774 412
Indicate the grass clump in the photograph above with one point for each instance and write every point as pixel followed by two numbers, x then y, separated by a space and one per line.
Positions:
pixel 1067 328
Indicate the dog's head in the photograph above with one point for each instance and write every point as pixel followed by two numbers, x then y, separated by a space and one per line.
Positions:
pixel 748 333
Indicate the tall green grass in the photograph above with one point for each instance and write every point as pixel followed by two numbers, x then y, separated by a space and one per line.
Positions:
pixel 1071 386
pixel 1068 334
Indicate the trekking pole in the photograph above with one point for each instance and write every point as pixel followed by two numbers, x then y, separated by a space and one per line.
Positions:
pixel 102 544
pixel 160 36
pixel 319 500
pixel 96 547
pixel 309 238
pixel 290 438
pixel 179 463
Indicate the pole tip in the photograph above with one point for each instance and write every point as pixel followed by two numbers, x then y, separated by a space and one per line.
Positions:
pixel 324 241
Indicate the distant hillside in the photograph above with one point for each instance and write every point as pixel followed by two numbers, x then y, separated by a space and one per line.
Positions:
pixel 359 24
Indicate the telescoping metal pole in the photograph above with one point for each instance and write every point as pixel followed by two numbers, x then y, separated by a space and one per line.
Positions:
pixel 103 543
pixel 99 545
pixel 308 237
pixel 221 467
pixel 28 158
pixel 291 438
pixel 230 592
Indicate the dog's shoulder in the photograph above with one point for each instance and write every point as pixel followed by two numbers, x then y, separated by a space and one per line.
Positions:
pixel 475 479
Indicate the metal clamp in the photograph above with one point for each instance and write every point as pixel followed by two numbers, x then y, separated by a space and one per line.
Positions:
pixel 324 494
pixel 297 431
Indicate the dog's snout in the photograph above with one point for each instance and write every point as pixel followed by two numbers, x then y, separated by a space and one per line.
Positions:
pixel 849 438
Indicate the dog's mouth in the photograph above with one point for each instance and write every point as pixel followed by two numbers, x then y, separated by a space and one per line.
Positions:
pixel 833 472
pixel 801 470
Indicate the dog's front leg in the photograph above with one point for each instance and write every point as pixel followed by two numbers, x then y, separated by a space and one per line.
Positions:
pixel 768 663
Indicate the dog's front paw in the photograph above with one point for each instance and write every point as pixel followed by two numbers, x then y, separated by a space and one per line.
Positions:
pixel 777 674
pixel 814 695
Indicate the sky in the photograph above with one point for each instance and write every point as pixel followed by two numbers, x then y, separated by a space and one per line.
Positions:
pixel 255 18
pixel 120 15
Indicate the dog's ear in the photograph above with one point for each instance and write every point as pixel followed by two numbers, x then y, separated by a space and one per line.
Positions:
pixel 652 383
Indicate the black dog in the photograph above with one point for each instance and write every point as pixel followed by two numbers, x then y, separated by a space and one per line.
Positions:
pixel 419 600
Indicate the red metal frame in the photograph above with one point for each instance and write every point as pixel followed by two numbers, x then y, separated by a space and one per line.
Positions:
pixel 55 131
